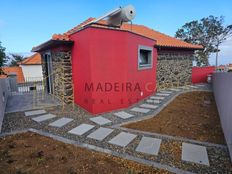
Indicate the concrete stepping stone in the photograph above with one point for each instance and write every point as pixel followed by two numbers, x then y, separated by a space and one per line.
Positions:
pixel 100 134
pixel 184 87
pixel 122 139
pixel 196 87
pixel 157 98
pixel 149 106
pixel 162 94
pixel 61 122
pixel 141 110
pixel 123 115
pixel 153 101
pixel 194 153
pixel 43 117
pixel 100 120
pixel 167 92
pixel 175 89
pixel 149 145
pixel 36 112
pixel 81 129
pixel 201 85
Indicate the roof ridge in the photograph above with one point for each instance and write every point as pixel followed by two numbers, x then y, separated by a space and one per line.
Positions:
pixel 65 35
pixel 80 25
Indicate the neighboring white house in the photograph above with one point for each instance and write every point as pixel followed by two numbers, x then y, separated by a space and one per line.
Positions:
pixel 32 68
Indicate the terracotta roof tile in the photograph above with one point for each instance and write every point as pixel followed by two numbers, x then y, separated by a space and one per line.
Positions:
pixel 35 59
pixel 163 40
pixel 16 70
pixel 2 76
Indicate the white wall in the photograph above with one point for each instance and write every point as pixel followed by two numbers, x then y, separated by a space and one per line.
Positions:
pixel 32 72
pixel 222 84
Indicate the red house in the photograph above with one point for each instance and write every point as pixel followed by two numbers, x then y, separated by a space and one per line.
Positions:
pixel 103 68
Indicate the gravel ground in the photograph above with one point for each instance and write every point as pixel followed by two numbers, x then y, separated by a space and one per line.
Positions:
pixel 169 154
pixel 117 120
pixel 32 153
pixel 170 150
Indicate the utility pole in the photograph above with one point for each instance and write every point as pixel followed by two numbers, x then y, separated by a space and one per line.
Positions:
pixel 216 67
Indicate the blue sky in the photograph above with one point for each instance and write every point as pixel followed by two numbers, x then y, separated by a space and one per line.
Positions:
pixel 27 23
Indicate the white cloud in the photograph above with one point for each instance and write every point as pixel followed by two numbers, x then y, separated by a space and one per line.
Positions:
pixel 225 54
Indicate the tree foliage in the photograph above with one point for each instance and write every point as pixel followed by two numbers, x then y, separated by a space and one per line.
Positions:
pixel 209 32
pixel 15 58
pixel 3 58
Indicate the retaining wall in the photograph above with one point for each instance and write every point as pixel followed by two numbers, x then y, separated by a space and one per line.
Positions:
pixel 199 74
pixel 4 93
pixel 222 87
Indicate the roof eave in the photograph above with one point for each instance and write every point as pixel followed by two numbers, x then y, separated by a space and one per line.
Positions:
pixel 31 64
pixel 179 48
pixel 51 44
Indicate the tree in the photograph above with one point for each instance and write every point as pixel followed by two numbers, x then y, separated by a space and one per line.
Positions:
pixel 209 32
pixel 3 58
pixel 15 58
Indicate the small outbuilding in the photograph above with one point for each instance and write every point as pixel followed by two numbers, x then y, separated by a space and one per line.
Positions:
pixel 32 68
pixel 103 68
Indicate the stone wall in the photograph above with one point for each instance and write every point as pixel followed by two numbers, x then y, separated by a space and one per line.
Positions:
pixel 174 68
pixel 62 85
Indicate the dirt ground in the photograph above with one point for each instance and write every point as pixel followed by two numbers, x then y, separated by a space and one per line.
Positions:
pixel 31 153
pixel 192 115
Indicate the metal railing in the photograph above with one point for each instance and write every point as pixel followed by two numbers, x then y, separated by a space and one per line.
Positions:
pixel 31 84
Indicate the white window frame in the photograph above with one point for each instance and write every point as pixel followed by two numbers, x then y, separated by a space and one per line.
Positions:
pixel 147 48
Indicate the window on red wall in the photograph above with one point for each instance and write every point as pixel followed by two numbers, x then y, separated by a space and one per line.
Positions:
pixel 145 55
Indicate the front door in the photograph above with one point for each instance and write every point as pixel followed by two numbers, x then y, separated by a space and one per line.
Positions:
pixel 48 71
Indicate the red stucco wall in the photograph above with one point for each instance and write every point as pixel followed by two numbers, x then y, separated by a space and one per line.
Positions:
pixel 199 74
pixel 103 56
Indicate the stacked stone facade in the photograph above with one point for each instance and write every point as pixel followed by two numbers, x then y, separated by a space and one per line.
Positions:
pixel 174 68
pixel 61 76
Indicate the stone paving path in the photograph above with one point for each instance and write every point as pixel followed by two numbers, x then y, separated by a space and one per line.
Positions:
pixel 194 153
pixel 100 120
pixel 81 129
pixel 140 110
pixel 122 139
pixel 149 145
pixel 123 115
pixel 36 112
pixel 149 106
pixel 43 117
pixel 100 133
pixel 142 143
pixel 61 122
